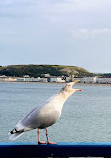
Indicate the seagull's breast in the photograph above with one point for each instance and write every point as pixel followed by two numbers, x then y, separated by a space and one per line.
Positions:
pixel 48 119
pixel 49 114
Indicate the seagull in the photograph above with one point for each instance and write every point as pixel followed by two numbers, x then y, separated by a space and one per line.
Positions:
pixel 45 115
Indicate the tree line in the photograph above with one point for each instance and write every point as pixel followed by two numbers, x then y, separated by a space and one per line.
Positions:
pixel 37 70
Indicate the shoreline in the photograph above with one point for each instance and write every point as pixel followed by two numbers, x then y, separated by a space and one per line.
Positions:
pixel 87 84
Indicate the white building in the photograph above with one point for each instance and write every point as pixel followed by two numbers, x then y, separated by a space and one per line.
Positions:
pixel 7 79
pixel 2 78
pixel 32 79
pixel 43 80
pixel 103 80
pixel 26 76
pixel 38 79
pixel 94 80
pixel 88 79
pixel 10 79
pixel 56 79
pixel 20 79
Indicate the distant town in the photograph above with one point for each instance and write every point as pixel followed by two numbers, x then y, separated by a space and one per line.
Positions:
pixel 57 79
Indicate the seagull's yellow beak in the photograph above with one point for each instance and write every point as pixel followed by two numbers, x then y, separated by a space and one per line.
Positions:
pixel 76 81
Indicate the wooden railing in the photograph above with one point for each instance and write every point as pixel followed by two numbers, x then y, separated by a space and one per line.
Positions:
pixel 66 149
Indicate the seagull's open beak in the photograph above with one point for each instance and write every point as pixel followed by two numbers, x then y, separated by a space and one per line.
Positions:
pixel 76 82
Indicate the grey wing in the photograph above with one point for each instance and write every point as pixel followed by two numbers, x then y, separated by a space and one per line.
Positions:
pixel 40 117
pixel 31 121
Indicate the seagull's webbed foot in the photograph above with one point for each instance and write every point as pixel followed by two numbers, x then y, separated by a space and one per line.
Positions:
pixel 48 142
pixel 39 142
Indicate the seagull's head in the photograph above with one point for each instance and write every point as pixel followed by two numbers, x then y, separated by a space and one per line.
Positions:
pixel 68 88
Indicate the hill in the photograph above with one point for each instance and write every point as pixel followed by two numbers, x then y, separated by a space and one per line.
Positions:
pixel 37 70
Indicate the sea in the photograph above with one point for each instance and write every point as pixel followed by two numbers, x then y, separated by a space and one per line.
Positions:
pixel 86 115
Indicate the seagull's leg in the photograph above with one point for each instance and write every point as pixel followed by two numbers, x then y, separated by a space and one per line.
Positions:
pixel 48 142
pixel 39 142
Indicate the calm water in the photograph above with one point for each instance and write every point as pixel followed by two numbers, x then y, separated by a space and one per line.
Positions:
pixel 86 115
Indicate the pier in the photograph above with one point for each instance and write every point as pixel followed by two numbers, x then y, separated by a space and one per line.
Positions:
pixel 61 149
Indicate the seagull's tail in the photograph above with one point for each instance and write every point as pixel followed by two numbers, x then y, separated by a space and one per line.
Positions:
pixel 14 134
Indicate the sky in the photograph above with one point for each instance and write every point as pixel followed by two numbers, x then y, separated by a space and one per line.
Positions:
pixel 64 32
